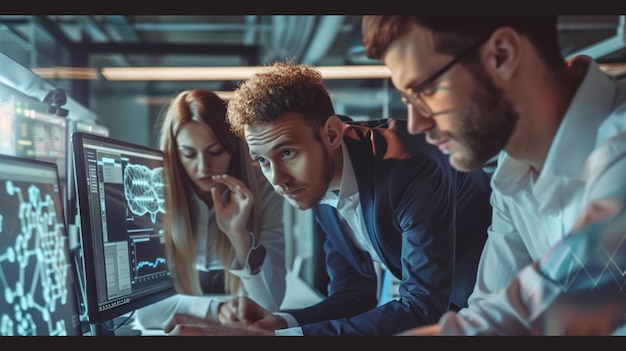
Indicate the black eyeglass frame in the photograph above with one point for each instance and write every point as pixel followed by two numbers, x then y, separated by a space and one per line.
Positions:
pixel 414 97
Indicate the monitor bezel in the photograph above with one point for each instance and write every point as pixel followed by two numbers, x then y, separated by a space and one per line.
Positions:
pixel 94 315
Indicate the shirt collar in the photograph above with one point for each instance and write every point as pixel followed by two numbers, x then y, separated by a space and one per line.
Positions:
pixel 347 184
pixel 591 104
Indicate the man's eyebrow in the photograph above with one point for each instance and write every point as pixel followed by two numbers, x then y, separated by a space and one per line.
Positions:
pixel 282 144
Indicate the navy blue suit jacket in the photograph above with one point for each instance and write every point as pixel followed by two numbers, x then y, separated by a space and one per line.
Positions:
pixel 427 222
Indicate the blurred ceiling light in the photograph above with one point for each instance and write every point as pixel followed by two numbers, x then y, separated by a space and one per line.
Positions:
pixel 231 73
pixel 85 73
pixel 228 73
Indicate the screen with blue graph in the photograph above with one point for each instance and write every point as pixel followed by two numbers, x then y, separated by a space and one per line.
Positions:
pixel 121 207
pixel 39 292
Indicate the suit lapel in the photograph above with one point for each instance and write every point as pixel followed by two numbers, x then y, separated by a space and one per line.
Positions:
pixel 336 231
pixel 363 161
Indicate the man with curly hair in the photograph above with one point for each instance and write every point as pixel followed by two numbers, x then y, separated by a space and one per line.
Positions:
pixel 378 193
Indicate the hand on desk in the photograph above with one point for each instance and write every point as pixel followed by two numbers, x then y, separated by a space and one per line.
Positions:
pixel 188 325
pixel 237 316
pixel 246 312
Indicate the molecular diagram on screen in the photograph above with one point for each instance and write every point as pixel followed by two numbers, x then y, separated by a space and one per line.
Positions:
pixel 143 188
pixel 34 271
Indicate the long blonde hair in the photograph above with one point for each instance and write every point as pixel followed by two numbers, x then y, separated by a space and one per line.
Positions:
pixel 205 107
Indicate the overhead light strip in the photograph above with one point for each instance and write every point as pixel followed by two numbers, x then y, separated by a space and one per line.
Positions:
pixel 227 73
pixel 231 73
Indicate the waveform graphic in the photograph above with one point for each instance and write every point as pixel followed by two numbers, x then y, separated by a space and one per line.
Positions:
pixel 149 253
pixel 151 264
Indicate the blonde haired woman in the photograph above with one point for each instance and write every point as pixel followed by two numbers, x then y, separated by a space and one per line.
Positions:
pixel 224 222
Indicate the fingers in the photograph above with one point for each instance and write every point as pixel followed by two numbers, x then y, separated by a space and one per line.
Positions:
pixel 216 194
pixel 234 184
pixel 240 310
pixel 189 325
pixel 187 319
pixel 247 311
pixel 228 311
pixel 239 192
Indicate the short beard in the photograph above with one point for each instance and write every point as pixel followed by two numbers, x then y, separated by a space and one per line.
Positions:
pixel 328 171
pixel 487 127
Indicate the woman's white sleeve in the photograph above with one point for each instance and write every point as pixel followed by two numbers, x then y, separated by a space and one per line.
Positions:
pixel 155 316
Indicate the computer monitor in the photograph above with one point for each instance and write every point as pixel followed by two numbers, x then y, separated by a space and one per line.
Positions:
pixel 121 206
pixel 39 292
pixel 71 209
pixel 28 129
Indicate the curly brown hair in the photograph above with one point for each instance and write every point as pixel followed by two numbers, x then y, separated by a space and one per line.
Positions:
pixel 276 89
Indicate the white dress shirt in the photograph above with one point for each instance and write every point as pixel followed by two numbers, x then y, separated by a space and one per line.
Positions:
pixel 531 212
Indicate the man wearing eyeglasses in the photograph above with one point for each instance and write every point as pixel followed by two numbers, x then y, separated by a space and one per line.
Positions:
pixel 485 87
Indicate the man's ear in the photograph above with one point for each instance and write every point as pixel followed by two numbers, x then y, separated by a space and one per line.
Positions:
pixel 332 132
pixel 502 52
